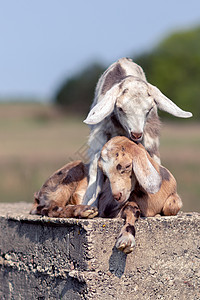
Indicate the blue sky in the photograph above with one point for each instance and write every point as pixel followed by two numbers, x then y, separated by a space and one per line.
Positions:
pixel 44 41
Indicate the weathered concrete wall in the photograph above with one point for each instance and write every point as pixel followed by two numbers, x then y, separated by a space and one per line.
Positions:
pixel 43 258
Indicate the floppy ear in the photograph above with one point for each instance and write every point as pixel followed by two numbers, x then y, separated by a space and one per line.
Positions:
pixel 145 173
pixel 166 104
pixel 104 107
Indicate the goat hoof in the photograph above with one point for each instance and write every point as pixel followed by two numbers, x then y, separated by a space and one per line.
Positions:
pixel 125 243
pixel 89 212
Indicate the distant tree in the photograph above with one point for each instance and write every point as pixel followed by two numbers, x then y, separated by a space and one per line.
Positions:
pixel 174 67
pixel 76 93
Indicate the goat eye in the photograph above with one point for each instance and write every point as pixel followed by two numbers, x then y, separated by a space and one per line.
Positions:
pixel 125 91
pixel 119 167
pixel 128 166
pixel 120 109
pixel 149 111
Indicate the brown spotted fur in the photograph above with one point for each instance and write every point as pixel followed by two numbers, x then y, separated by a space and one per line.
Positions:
pixel 62 193
pixel 165 202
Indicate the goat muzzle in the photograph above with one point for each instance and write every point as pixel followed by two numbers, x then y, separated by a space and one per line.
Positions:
pixel 136 137
pixel 118 196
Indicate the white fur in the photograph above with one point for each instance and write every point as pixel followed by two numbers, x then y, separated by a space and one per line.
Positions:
pixel 139 101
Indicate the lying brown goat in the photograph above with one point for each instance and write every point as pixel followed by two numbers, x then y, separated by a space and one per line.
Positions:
pixel 132 178
pixel 139 185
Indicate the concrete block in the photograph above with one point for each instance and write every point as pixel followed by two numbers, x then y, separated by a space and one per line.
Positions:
pixel 52 258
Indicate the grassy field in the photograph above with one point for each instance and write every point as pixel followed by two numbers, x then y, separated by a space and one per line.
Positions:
pixel 37 139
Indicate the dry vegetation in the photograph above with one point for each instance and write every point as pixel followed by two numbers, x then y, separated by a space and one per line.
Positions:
pixel 180 153
pixel 37 139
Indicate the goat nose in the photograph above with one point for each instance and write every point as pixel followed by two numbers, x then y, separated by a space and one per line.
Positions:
pixel 136 136
pixel 117 196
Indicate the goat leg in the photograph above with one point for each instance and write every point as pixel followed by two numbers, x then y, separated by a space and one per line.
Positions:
pixel 72 211
pixel 126 239
pixel 172 205
pixel 95 183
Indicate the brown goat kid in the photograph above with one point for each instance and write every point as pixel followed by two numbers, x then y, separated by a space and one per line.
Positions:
pixel 135 185
pixel 139 186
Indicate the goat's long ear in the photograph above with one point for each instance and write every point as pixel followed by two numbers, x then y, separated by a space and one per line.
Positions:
pixel 166 104
pixel 145 173
pixel 104 107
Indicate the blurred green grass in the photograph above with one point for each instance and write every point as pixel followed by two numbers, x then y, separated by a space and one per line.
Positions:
pixel 37 139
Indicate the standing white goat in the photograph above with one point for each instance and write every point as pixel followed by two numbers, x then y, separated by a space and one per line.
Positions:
pixel 124 104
